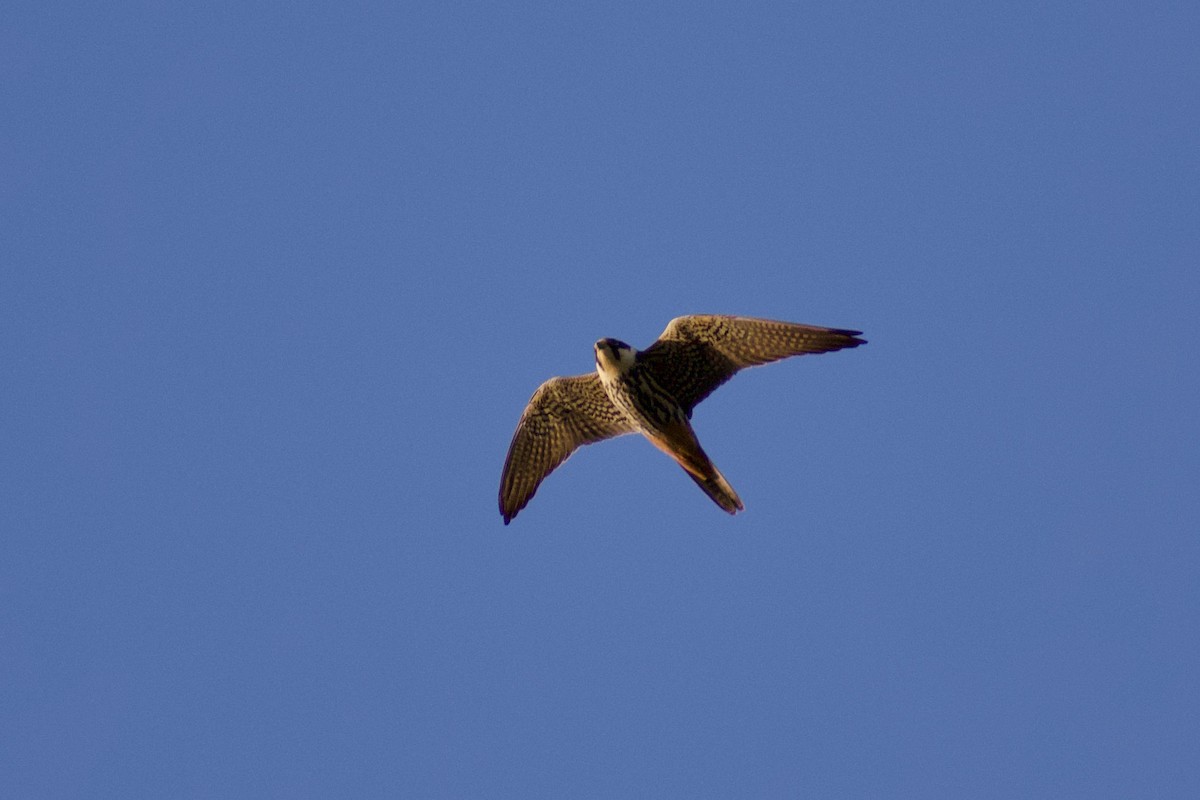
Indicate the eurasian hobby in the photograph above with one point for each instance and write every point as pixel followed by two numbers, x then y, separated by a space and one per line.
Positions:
pixel 651 392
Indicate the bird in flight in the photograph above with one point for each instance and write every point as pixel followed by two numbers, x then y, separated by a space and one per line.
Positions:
pixel 651 392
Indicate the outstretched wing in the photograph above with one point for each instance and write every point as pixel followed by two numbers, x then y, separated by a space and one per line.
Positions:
pixel 697 354
pixel 562 415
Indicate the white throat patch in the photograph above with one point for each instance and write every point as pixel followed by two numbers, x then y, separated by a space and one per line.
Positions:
pixel 612 362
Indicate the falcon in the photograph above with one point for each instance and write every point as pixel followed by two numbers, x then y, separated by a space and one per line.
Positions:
pixel 651 392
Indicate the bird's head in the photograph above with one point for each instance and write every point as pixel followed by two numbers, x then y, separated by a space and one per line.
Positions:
pixel 613 357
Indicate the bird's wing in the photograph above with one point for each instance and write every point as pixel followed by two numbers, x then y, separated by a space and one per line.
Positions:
pixel 697 354
pixel 562 415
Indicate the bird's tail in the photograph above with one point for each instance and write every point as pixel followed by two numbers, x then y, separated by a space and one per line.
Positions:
pixel 679 442
pixel 716 487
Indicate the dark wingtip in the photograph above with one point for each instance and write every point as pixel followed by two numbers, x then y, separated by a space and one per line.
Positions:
pixel 852 336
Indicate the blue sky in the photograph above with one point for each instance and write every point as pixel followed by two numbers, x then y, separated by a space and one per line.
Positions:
pixel 276 283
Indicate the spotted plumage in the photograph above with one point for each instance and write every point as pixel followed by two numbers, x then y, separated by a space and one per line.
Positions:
pixel 652 392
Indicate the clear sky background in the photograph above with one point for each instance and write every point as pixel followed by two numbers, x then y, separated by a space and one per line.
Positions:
pixel 276 281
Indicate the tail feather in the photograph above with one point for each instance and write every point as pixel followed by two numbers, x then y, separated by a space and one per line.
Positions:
pixel 716 487
pixel 680 443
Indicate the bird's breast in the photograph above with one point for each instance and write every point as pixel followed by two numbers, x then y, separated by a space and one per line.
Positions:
pixel 637 395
